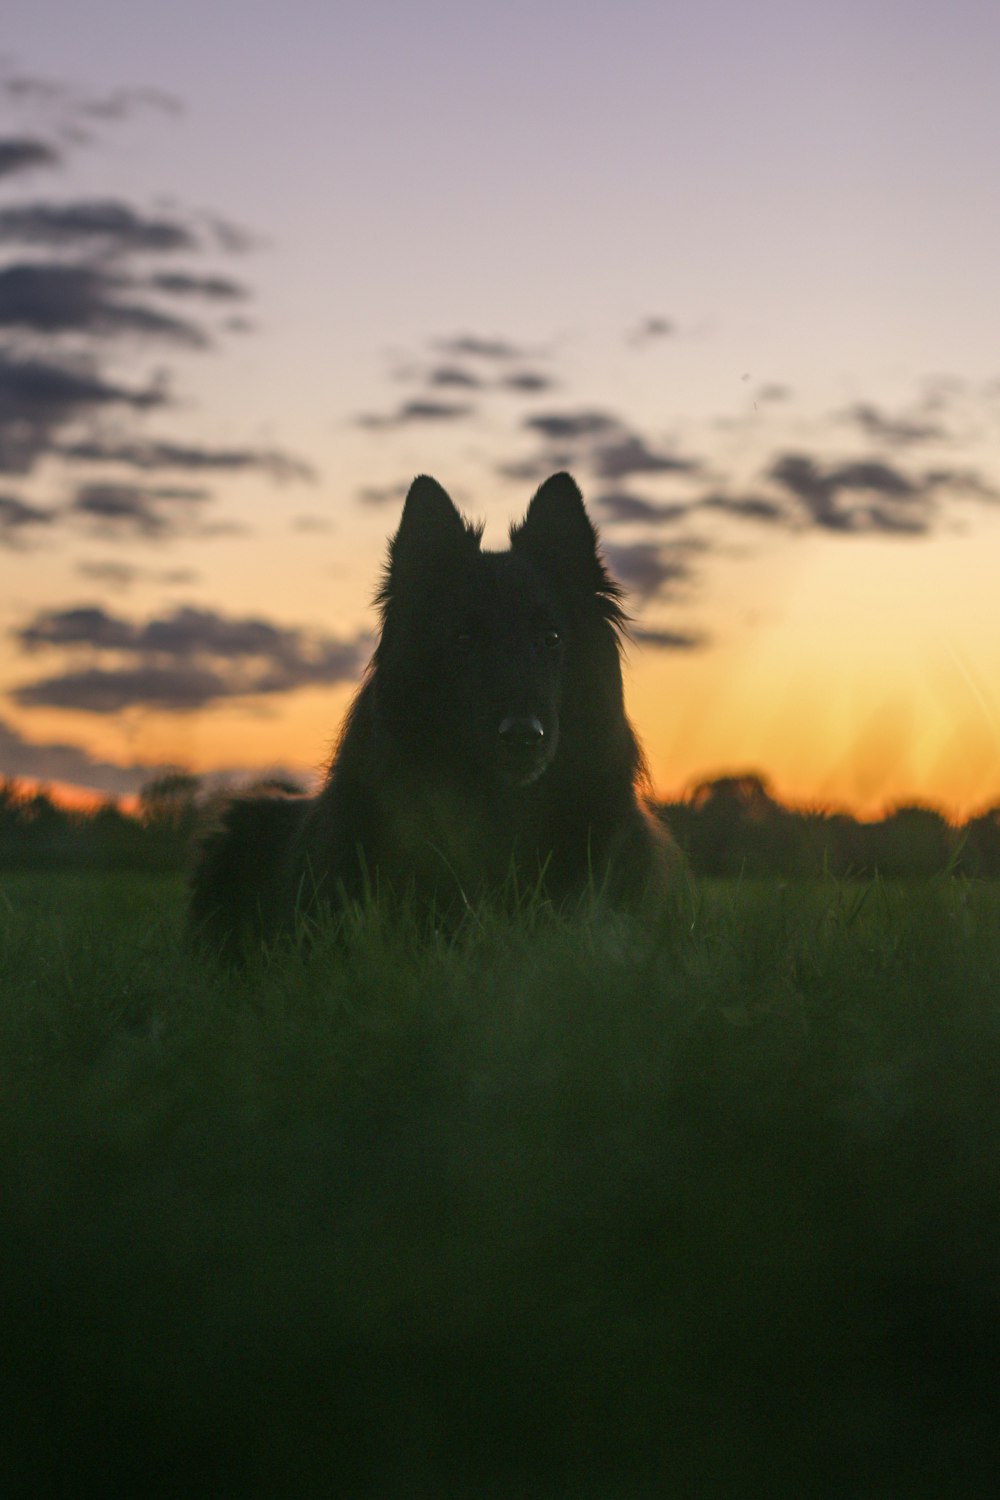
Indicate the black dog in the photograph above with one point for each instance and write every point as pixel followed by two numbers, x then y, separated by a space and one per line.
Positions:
pixel 486 750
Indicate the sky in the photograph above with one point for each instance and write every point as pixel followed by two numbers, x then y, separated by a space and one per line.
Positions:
pixel 732 266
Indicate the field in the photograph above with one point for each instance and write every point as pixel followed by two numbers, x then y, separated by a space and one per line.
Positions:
pixel 563 1208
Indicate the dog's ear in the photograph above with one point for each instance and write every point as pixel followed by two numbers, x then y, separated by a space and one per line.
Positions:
pixel 429 526
pixel 431 532
pixel 558 536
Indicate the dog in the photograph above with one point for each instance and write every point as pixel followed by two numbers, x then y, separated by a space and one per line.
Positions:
pixel 487 752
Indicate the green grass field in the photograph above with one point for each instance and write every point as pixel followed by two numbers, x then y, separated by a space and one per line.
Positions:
pixel 560 1209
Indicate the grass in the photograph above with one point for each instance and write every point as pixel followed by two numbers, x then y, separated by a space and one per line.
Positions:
pixel 563 1208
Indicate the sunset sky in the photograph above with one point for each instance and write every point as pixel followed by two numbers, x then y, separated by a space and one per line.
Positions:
pixel 734 266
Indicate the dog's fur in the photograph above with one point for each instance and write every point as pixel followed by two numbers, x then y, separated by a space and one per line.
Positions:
pixel 486 751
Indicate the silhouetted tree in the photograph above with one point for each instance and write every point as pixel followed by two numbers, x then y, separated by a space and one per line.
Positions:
pixel 911 841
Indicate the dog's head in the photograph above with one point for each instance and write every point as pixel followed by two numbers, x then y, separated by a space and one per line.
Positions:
pixel 476 658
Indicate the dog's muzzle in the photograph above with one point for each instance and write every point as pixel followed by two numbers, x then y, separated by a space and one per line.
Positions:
pixel 524 751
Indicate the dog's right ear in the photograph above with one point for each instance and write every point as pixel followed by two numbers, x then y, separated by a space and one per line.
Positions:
pixel 430 531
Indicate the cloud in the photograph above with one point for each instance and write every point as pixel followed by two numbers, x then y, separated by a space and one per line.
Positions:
pixel 668 640
pixel 16 516
pixel 317 524
pixel 651 328
pixel 78 289
pixel 632 455
pixel 39 397
pixel 114 575
pixel 596 440
pixel 747 507
pixel 647 569
pixel 965 481
pixel 891 501
pixel 47 761
pixel 622 505
pixel 470 346
pixel 119 104
pixel 418 411
pixel 149 456
pixel 893 431
pixel 185 284
pixel 138 510
pixel 571 425
pixel 55 761
pixel 57 298
pixel 181 661
pixel 24 154
pixel 385 494
pixel 99 690
pixel 453 376
pixel 99 223
pixel 528 382
pixel 87 625
pixel 118 575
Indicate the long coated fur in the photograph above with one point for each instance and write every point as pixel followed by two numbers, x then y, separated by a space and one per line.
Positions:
pixel 486 752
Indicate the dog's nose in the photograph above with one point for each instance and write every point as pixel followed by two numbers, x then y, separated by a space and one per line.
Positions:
pixel 521 734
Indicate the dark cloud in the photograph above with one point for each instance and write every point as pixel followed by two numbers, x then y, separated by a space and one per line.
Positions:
pixel 103 223
pixel 54 761
pixel 184 284
pixel 622 505
pixel 17 517
pixel 24 154
pixel 890 500
pixel 412 412
pixel 651 328
pixel 105 269
pixel 114 575
pixel 632 455
pixel 469 346
pixel 138 510
pixel 71 102
pixel 528 382
pixel 86 625
pixel 597 440
pixel 570 425
pixel 234 239
pixel 454 376
pixel 39 397
pixel 668 640
pixel 150 456
pixel 893 431
pixel 110 690
pixel 56 298
pixel 747 507
pixel 963 481
pixel 646 569
pixel 121 104
pixel 181 661
pixel 384 494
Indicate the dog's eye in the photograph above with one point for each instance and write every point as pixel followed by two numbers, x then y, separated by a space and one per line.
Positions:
pixel 552 639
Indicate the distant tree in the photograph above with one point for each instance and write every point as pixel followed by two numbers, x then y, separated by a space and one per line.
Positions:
pixel 980 847
pixel 911 841
pixel 736 825
pixel 169 798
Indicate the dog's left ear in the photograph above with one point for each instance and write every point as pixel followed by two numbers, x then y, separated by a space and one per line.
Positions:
pixel 558 535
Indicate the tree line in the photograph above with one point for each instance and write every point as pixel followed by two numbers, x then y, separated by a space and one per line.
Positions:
pixel 728 826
